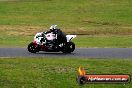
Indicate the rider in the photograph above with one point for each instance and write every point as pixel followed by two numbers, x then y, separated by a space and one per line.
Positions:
pixel 60 36
pixel 53 29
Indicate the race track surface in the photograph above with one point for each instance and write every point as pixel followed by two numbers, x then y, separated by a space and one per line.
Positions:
pixel 79 52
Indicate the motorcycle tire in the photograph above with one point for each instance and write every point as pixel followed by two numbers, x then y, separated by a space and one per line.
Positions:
pixel 68 47
pixel 31 48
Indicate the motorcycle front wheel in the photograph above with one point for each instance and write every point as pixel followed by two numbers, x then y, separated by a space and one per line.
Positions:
pixel 31 48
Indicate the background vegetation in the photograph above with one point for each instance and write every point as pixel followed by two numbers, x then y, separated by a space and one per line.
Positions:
pixel 21 19
pixel 58 73
pixel 104 23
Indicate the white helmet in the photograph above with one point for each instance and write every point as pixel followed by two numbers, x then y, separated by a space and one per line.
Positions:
pixel 53 27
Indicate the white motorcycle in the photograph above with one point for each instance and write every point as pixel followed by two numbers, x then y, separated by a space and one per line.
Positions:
pixel 64 46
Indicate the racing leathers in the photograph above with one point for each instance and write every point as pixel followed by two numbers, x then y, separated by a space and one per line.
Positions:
pixel 60 36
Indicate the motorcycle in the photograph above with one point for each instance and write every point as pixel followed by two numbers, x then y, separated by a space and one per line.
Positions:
pixel 37 44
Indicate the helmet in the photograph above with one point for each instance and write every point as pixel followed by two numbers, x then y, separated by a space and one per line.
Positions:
pixel 53 27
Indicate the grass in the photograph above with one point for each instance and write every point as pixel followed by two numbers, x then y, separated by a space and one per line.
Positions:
pixel 72 13
pixel 58 72
pixel 80 41
pixel 104 41
pixel 20 20
pixel 106 23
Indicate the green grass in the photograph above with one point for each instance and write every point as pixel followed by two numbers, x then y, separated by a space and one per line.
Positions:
pixel 80 41
pixel 21 19
pixel 58 72
pixel 107 23
pixel 104 41
pixel 15 41
pixel 66 12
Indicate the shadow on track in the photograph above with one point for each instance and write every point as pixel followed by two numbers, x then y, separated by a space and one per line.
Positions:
pixel 54 53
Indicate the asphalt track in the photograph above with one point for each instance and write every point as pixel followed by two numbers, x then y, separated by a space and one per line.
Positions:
pixel 79 53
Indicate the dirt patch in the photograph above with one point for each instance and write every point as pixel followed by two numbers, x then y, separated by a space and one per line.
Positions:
pixel 17 30
pixel 32 30
pixel 21 30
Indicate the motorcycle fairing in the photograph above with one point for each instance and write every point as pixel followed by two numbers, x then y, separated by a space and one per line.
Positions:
pixel 70 37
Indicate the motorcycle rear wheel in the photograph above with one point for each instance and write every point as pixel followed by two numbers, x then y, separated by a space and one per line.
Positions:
pixel 68 47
